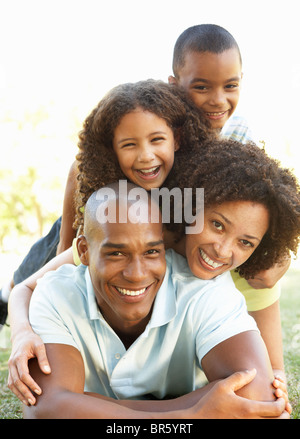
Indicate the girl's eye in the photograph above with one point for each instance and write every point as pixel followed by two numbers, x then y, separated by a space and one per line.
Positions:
pixel 157 139
pixel 127 145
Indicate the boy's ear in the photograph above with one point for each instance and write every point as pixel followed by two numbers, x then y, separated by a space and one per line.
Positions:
pixel 82 249
pixel 172 80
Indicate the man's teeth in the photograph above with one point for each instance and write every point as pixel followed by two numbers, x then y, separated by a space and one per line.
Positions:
pixel 130 292
pixel 209 261
pixel 149 171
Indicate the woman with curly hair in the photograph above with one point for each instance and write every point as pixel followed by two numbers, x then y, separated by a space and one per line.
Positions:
pixel 251 221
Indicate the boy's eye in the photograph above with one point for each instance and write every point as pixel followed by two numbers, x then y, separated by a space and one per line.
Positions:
pixel 200 87
pixel 232 86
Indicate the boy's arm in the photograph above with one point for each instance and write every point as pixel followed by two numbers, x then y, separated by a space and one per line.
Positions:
pixel 25 343
pixel 63 396
pixel 67 233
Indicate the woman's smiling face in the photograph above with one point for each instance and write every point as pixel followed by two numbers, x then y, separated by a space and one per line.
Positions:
pixel 231 233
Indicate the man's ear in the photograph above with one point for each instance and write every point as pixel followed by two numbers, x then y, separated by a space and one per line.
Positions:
pixel 82 248
pixel 172 80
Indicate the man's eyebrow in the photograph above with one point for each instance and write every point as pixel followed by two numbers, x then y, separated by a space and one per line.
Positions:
pixel 109 244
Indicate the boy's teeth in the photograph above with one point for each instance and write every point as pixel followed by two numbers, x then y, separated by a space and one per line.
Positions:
pixel 130 292
pixel 215 114
pixel 209 261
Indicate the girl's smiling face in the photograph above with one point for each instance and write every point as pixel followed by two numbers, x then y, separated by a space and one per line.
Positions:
pixel 231 233
pixel 144 145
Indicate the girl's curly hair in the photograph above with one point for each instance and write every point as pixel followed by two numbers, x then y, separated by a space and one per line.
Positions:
pixel 97 161
pixel 231 171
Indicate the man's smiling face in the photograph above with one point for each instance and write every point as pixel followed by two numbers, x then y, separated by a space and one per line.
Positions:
pixel 127 267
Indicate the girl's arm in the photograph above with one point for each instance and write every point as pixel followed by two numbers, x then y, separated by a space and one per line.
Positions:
pixel 67 233
pixel 25 343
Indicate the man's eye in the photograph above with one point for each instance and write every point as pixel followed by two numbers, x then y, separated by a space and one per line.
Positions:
pixel 152 252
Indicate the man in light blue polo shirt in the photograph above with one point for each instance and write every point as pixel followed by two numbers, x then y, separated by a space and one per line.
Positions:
pixel 132 326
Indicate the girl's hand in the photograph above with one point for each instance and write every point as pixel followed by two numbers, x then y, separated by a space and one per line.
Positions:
pixel 281 391
pixel 26 346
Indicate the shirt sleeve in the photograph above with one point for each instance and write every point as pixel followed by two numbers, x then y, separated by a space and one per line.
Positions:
pixel 256 299
pixel 220 314
pixel 46 311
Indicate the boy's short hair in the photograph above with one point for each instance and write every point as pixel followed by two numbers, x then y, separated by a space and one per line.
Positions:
pixel 202 38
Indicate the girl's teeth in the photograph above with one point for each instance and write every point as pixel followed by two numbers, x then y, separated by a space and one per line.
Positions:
pixel 149 171
pixel 209 261
pixel 131 293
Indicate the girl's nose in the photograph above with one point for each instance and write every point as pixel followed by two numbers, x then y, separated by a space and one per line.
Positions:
pixel 146 154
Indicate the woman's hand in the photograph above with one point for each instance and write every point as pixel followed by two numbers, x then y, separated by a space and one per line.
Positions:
pixel 26 345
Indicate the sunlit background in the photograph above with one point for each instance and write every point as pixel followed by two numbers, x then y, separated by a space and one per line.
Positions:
pixel 59 57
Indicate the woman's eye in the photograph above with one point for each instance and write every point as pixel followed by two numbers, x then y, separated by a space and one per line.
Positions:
pixel 247 243
pixel 218 225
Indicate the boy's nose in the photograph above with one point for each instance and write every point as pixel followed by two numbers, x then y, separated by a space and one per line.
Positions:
pixel 218 98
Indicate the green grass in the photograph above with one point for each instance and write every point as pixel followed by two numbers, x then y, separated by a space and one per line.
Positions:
pixel 11 408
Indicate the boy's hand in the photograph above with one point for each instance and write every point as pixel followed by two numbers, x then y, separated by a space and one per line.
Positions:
pixel 269 278
pixel 26 346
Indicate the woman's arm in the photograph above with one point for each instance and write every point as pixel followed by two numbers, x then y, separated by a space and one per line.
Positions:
pixel 67 233
pixel 269 323
pixel 25 343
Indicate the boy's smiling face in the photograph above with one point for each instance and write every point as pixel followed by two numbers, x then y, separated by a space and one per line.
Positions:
pixel 213 82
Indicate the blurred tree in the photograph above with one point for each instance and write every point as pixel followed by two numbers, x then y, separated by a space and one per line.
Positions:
pixel 21 211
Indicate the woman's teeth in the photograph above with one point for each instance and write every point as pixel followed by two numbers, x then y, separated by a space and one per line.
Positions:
pixel 209 261
pixel 130 292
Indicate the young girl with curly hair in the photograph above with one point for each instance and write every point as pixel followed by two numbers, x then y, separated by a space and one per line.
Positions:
pixel 133 133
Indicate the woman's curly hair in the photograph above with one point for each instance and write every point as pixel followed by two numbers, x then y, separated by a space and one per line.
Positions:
pixel 231 171
pixel 97 162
